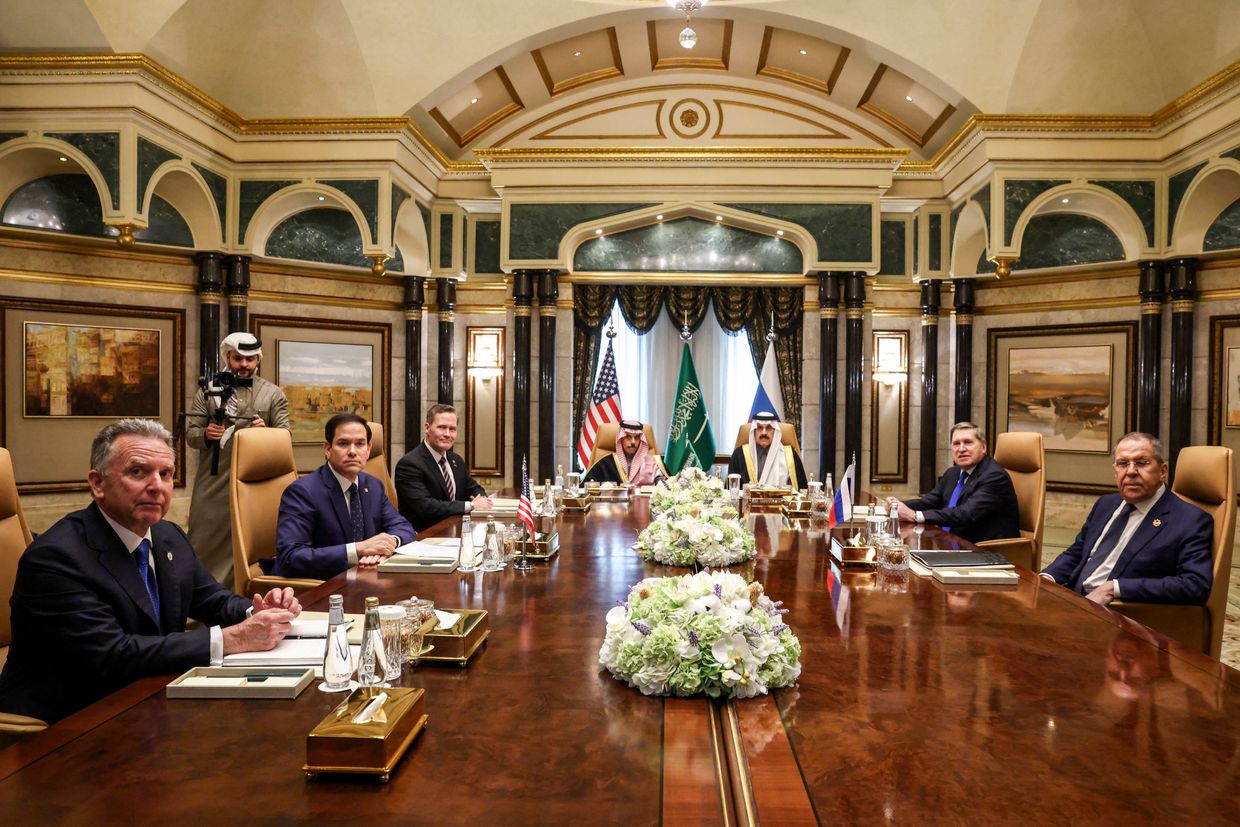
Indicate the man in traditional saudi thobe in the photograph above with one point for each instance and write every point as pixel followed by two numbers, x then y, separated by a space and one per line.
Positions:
pixel 261 405
pixel 632 463
pixel 765 460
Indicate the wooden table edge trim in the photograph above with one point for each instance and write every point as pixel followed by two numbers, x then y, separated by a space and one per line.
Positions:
pixel 677 776
pixel 807 812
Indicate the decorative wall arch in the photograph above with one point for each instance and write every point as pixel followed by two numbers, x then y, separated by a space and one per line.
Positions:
pixel 182 186
pixel 299 198
pixel 409 234
pixel 970 241
pixel 1212 191
pixel 671 211
pixel 23 160
pixel 1093 202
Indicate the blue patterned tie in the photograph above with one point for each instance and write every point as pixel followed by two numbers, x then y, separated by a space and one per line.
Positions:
pixel 964 475
pixel 143 557
pixel 355 514
pixel 1105 546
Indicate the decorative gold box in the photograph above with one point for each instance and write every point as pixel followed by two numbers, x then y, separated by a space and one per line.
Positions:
pixel 850 555
pixel 619 494
pixel 339 745
pixel 543 548
pixel 797 509
pixel 759 497
pixel 458 643
pixel 581 503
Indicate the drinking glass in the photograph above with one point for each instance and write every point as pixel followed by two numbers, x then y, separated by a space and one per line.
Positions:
pixel 573 483
pixel 467 560
pixel 734 486
pixel 893 555
pixel 390 620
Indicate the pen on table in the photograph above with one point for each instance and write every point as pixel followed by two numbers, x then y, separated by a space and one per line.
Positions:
pixel 262 676
pixel 369 710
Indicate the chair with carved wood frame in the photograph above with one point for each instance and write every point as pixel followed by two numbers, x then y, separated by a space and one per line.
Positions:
pixel 1021 454
pixel 14 538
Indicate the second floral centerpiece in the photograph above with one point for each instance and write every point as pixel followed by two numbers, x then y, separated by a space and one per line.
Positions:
pixel 702 537
pixel 692 486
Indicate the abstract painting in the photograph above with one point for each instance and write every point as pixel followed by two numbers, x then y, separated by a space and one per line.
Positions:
pixel 1233 387
pixel 1063 393
pixel 86 370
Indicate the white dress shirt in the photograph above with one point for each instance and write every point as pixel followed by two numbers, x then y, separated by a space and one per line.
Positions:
pixel 349 548
pixel 1103 572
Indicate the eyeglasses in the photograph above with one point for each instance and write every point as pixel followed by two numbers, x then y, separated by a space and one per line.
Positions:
pixel 1139 464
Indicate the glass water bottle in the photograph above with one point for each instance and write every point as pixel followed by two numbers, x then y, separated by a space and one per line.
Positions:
pixel 337 660
pixel 372 664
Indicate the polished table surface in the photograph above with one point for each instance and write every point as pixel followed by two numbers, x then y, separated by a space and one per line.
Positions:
pixel 917 703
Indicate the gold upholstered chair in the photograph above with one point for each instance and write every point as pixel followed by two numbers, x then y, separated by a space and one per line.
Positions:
pixel 605 444
pixel 1021 454
pixel 262 467
pixel 787 435
pixel 1205 477
pixel 377 465
pixel 14 537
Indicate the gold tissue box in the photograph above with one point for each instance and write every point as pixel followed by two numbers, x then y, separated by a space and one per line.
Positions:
pixel 853 555
pixel 768 496
pixel 458 643
pixel 543 548
pixel 618 494
pixel 338 745
pixel 581 503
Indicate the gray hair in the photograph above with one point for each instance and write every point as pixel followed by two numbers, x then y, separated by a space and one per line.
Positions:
pixel 977 429
pixel 101 449
pixel 1156 446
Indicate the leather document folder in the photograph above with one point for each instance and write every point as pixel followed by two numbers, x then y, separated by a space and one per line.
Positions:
pixel 961 559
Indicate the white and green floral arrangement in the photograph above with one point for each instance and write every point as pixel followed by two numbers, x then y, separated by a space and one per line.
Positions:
pixel 696 535
pixel 708 633
pixel 692 486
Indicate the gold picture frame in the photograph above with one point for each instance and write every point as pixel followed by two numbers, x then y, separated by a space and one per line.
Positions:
pixel 1224 401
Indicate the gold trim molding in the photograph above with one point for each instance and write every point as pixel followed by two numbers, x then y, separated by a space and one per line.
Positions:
pixel 697 154
pixel 1183 306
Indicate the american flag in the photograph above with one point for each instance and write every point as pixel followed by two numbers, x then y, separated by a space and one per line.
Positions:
pixel 525 508
pixel 604 407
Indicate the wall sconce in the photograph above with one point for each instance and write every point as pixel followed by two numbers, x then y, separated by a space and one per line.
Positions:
pixel 889 407
pixel 484 359
pixel 890 357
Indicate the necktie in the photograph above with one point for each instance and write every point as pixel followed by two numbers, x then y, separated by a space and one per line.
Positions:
pixel 355 514
pixel 448 483
pixel 143 559
pixel 955 498
pixel 1106 545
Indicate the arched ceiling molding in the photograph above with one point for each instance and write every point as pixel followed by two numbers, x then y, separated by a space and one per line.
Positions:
pixel 23 160
pixel 1212 191
pixel 299 198
pixel 182 186
pixel 1094 202
pixel 409 235
pixel 669 211
pixel 970 240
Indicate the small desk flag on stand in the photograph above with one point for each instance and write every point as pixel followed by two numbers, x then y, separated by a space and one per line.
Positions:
pixel 841 507
pixel 768 397
pixel 525 508
pixel 689 441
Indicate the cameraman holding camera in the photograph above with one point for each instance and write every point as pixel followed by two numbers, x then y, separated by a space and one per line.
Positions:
pixel 234 398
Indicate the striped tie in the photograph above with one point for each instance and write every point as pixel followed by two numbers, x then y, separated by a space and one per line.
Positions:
pixel 448 483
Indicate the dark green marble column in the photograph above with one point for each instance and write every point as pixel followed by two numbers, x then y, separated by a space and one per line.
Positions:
pixel 854 366
pixel 1182 284
pixel 828 356
pixel 1153 289
pixel 522 296
pixel 237 287
pixel 210 283
pixel 964 350
pixel 415 299
pixel 930 302
pixel 548 293
pixel 445 301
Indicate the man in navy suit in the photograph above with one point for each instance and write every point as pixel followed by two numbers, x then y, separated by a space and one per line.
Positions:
pixel 1143 543
pixel 974 499
pixel 101 598
pixel 432 481
pixel 337 516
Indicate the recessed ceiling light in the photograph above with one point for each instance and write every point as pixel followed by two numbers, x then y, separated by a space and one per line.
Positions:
pixel 908 98
pixel 804 52
pixel 321 198
pixel 63 158
pixel 779 232
pixel 1064 201
pixel 659 217
pixel 473 101
pixel 719 218
pixel 576 54
pixel 599 231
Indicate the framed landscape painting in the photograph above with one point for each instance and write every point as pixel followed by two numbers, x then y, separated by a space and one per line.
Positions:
pixel 1224 418
pixel 1072 385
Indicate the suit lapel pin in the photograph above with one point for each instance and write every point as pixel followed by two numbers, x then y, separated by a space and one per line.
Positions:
pixel 1157 522
pixel 170 557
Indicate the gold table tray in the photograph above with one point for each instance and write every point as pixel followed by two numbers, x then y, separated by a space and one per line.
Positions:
pixel 458 643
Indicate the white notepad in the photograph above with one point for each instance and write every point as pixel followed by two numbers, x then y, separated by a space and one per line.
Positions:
pixel 288 652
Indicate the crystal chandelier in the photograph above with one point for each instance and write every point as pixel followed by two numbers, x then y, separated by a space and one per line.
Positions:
pixel 688 37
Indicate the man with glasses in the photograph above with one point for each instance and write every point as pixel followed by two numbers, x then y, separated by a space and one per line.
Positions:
pixel 1143 543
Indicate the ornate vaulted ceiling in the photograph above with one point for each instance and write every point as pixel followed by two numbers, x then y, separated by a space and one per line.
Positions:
pixel 610 72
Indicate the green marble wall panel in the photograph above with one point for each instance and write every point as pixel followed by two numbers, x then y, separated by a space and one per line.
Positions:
pixel 486 247
pixel 426 222
pixel 396 264
pixel 69 204
pixel 891 238
pixel 535 230
pixel 8 136
pixel 951 230
pixel 445 240
pixel 365 194
pixel 325 234
pixel 166 226
pixel 150 156
pixel 1177 187
pixel 104 151
pixel 916 246
pixel 1140 195
pixel 688 245
pixel 1224 232
pixel 399 197
pixel 1017 195
pixel 985 265
pixel 982 197
pixel 1064 239
pixel 935 242
pixel 252 195
pixel 218 185
pixel 1231 153
pixel 843 231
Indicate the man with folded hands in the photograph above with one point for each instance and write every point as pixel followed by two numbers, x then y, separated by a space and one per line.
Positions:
pixel 101 598
pixel 632 463
pixel 1142 543
pixel 338 516
pixel 765 460
pixel 432 481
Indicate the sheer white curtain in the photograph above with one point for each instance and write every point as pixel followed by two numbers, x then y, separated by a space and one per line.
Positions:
pixel 647 367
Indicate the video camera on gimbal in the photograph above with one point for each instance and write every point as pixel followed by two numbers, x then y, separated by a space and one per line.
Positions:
pixel 219 388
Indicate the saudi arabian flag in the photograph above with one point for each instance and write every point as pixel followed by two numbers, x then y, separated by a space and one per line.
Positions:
pixel 690 441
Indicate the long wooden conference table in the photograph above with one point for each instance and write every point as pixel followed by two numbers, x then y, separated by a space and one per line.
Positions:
pixel 917 704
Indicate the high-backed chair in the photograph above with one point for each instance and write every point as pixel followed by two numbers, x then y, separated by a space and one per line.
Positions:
pixel 1205 477
pixel 377 465
pixel 1021 454
pixel 605 444
pixel 14 537
pixel 262 467
pixel 787 435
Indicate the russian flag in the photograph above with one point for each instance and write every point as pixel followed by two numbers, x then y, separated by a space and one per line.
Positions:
pixel 841 506
pixel 769 397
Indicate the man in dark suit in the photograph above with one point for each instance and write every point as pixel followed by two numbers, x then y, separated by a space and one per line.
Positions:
pixel 432 482
pixel 1143 543
pixel 101 598
pixel 338 516
pixel 974 499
